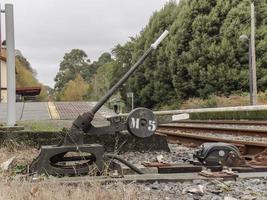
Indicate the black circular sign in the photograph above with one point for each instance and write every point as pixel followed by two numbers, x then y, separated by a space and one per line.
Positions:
pixel 141 122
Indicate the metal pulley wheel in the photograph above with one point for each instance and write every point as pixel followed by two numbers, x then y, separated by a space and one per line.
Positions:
pixel 219 153
pixel 141 122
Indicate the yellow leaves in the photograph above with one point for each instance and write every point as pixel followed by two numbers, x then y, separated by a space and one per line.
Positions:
pixel 24 77
pixel 43 96
pixel 75 90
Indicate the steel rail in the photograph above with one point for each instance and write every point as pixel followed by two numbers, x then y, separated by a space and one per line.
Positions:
pixel 231 122
pixel 193 140
pixel 211 129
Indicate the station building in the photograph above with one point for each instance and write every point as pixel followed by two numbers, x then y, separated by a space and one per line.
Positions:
pixel 3 73
pixel 24 93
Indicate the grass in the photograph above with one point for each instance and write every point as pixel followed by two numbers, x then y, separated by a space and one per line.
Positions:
pixel 23 157
pixel 17 186
pixel 231 115
pixel 45 125
pixel 42 191
pixel 223 101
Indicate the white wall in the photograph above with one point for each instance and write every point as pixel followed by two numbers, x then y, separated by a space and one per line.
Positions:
pixel 3 81
pixel 4 96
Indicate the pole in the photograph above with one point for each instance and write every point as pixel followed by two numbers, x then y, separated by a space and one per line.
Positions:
pixel 253 56
pixel 250 73
pixel 83 122
pixel 0 54
pixel 128 74
pixel 132 100
pixel 10 49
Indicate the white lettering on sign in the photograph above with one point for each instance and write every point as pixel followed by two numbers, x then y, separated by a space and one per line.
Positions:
pixel 152 125
pixel 135 123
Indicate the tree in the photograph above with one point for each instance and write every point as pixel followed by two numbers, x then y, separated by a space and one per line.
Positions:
pixel 73 62
pixel 75 90
pixel 26 77
pixel 201 56
pixel 101 82
pixel 88 72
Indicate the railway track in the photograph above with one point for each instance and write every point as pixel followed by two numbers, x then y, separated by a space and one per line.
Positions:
pixel 193 133
pixel 233 130
pixel 255 153
pixel 225 122
pixel 194 140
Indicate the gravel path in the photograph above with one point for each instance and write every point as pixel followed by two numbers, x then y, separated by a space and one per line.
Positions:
pixel 209 190
pixel 177 155
pixel 253 189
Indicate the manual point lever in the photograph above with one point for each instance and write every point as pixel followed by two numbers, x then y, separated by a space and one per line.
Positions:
pixel 141 123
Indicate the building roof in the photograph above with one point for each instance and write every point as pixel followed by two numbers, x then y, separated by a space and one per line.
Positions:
pixel 29 91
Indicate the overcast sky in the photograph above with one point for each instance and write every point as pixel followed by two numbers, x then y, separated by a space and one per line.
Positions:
pixel 46 29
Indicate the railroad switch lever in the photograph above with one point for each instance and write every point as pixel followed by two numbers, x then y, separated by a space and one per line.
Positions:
pixel 72 157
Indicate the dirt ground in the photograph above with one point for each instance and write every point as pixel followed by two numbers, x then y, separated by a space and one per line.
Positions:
pixel 14 184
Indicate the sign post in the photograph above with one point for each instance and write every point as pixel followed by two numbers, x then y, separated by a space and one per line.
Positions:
pixel 131 95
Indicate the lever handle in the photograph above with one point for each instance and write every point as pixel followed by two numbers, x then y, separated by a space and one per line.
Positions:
pixel 159 40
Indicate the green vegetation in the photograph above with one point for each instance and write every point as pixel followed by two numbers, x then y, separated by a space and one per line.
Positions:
pixel 201 57
pixel 44 125
pixel 223 101
pixel 76 74
pixel 231 115
pixel 74 90
pixel 26 77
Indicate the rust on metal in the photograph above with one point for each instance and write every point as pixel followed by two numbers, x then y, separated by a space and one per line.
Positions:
pixel 224 130
pixel 233 122
pixel 192 140
pixel 218 175
pixel 259 159
pixel 190 168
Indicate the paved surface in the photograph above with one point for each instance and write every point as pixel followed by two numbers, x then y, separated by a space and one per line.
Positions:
pixel 71 110
pixel 52 110
pixel 3 111
pixel 35 110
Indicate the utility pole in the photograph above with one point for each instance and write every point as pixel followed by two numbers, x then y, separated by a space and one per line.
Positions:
pixel 253 55
pixel 11 81
pixel 0 54
pixel 251 101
